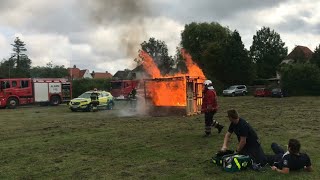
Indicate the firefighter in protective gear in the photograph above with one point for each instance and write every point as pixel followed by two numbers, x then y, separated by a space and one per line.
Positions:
pixel 94 100
pixel 133 100
pixel 209 108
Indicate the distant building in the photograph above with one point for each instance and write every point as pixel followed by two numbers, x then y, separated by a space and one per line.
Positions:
pixel 76 73
pixel 300 54
pixel 85 74
pixel 139 73
pixel 121 75
pixel 101 75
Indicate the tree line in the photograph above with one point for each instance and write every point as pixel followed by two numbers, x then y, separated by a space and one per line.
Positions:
pixel 19 65
pixel 221 54
pixel 218 50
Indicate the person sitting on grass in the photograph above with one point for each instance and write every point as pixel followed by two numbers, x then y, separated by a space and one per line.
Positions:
pixel 292 160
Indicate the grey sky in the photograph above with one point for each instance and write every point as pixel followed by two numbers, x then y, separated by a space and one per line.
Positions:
pixel 104 35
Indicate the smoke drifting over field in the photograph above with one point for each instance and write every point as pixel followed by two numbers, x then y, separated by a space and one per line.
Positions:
pixel 128 16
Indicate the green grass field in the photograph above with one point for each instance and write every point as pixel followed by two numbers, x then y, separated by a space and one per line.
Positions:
pixel 55 143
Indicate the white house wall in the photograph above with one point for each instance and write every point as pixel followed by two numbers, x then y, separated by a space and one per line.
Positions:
pixel 87 75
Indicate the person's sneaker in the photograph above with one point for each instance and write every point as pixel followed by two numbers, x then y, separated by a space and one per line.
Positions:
pixel 220 127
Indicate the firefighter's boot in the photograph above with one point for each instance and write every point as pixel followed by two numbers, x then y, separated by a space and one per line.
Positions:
pixel 219 127
pixel 207 131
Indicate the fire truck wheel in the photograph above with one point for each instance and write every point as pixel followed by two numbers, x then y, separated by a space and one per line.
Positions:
pixel 12 103
pixel 55 100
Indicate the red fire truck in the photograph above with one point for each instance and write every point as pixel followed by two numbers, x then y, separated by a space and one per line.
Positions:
pixel 120 89
pixel 20 91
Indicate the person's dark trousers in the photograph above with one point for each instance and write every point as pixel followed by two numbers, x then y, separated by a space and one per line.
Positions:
pixel 255 151
pixel 277 149
pixel 208 117
pixel 273 160
pixel 210 122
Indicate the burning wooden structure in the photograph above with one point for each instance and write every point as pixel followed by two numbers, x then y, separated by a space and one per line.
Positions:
pixel 179 95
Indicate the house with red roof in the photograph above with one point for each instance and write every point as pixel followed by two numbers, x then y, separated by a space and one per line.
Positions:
pixel 101 75
pixel 300 54
pixel 76 73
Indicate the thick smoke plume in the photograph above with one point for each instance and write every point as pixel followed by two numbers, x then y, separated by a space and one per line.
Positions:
pixel 128 15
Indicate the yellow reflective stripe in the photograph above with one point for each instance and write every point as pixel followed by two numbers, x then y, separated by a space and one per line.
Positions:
pixel 237 163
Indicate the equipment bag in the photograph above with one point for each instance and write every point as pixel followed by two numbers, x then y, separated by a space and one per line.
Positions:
pixel 234 163
pixel 218 157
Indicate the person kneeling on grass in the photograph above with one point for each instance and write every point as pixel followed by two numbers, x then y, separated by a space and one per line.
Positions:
pixel 292 160
pixel 249 143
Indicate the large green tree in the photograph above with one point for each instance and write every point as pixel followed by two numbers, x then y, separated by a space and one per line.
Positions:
pixel 49 71
pixel 180 62
pixel 7 68
pixel 205 42
pixel 316 57
pixel 219 52
pixel 18 65
pixel 238 67
pixel 230 62
pixel 158 50
pixel 196 37
pixel 267 51
pixel 23 63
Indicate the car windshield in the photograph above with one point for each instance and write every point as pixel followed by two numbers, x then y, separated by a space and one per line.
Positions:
pixel 276 90
pixel 232 87
pixel 85 95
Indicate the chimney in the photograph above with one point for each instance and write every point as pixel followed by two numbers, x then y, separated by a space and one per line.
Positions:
pixel 74 66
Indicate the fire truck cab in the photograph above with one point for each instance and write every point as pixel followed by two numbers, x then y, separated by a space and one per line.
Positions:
pixel 21 91
pixel 120 89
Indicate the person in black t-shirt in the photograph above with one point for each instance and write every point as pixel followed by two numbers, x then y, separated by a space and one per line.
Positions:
pixel 247 137
pixel 292 160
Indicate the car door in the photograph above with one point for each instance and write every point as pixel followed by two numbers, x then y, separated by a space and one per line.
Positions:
pixel 103 99
pixel 109 97
pixel 238 90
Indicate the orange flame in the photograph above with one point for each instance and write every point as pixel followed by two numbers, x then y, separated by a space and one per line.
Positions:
pixel 149 65
pixel 193 68
pixel 166 92
pixel 169 90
